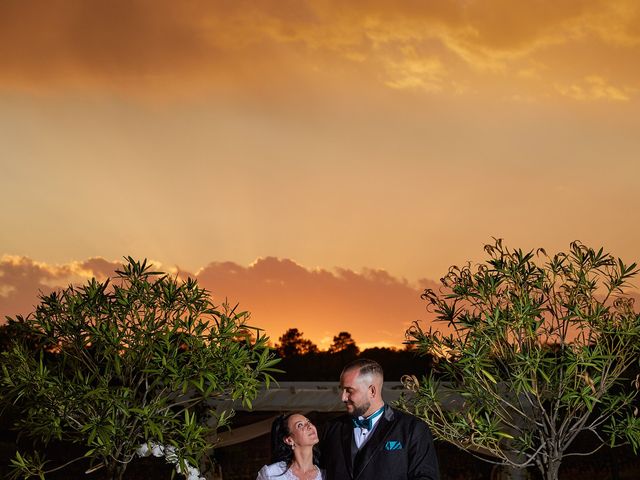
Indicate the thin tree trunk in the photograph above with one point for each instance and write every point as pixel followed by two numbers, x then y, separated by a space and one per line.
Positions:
pixel 116 472
pixel 550 470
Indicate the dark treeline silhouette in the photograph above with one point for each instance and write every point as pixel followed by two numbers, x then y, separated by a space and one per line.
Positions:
pixel 301 359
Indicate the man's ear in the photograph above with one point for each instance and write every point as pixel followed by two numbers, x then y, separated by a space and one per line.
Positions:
pixel 373 390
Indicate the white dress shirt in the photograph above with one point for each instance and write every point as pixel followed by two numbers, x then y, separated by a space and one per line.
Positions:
pixel 361 435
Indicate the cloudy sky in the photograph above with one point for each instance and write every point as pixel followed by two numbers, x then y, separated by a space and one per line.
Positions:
pixel 317 161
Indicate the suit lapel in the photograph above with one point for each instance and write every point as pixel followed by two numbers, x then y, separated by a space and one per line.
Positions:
pixel 347 441
pixel 375 442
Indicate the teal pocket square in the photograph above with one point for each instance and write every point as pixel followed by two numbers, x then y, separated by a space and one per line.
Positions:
pixel 393 445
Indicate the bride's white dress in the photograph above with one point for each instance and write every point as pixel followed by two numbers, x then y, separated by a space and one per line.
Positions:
pixel 279 471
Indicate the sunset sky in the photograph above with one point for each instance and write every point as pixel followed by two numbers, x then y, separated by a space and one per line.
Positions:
pixel 320 162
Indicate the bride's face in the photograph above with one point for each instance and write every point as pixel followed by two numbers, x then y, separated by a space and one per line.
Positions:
pixel 301 431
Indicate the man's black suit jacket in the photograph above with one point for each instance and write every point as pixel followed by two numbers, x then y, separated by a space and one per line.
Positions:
pixel 399 448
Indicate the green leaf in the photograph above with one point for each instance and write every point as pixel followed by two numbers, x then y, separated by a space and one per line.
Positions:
pixel 488 375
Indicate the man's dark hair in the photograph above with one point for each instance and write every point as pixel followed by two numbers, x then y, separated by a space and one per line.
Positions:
pixel 365 366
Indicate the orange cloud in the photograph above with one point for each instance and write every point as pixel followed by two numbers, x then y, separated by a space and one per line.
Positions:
pixel 22 278
pixel 437 46
pixel 595 88
pixel 375 307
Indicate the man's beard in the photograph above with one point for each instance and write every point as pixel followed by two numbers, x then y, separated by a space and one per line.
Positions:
pixel 360 410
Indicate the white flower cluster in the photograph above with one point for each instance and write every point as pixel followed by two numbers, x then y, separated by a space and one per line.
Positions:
pixel 169 453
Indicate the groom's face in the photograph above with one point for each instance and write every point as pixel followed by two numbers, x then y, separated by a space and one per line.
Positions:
pixel 355 392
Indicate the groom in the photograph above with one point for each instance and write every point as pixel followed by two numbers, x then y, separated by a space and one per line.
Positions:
pixel 374 440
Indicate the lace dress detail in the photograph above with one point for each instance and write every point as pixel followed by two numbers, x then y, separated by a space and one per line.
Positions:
pixel 279 471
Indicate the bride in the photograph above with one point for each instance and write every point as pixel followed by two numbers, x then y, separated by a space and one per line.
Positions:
pixel 293 438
